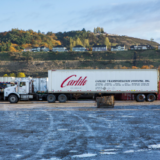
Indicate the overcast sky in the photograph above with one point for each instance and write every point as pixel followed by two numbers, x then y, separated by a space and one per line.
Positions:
pixel 135 18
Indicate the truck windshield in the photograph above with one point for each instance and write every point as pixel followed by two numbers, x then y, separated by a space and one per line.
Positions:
pixel 22 84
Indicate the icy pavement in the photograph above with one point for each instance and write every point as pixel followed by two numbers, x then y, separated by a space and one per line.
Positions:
pixel 38 130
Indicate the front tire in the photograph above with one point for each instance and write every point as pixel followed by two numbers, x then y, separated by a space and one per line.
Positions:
pixel 13 98
pixel 51 98
pixel 62 98
pixel 151 97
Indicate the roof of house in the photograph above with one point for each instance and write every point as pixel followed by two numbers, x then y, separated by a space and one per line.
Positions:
pixel 77 46
pixel 120 45
pixel 113 47
pixel 99 46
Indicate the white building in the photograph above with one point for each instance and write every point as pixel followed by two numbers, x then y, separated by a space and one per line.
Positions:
pixel 44 49
pixel 99 48
pixel 159 47
pixel 141 47
pixel 59 48
pixel 36 49
pixel 118 48
pixel 28 49
pixel 79 48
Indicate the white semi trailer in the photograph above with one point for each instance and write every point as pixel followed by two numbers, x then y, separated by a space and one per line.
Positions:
pixel 62 84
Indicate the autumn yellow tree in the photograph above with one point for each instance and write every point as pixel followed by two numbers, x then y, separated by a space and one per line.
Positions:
pixel 12 75
pixel 12 49
pixel 5 75
pixel 134 67
pixel 151 66
pixel 145 67
pixel 21 74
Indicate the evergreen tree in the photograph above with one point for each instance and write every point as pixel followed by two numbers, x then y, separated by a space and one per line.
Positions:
pixel 102 30
pixel 94 31
pixel 98 30
pixel 84 30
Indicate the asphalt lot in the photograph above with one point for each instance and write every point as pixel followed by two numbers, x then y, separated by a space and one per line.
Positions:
pixel 79 130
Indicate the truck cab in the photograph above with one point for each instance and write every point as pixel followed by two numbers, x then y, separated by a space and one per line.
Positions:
pixel 20 91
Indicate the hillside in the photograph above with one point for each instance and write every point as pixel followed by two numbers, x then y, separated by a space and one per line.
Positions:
pixel 16 40
pixel 67 37
pixel 128 41
pixel 37 64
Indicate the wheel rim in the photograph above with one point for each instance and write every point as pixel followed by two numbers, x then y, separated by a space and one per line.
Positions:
pixel 141 97
pixel 62 98
pixel 51 98
pixel 151 97
pixel 13 99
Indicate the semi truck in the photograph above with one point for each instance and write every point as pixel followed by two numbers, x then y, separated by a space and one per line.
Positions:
pixel 61 85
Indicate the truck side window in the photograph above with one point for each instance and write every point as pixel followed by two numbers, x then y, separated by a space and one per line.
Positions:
pixel 22 84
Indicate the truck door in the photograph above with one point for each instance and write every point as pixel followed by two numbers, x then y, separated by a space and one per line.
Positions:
pixel 22 88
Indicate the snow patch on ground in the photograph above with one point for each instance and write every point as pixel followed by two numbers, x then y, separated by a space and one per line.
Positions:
pixel 128 116
pixel 155 146
pixel 52 159
pixel 129 151
pixel 108 153
pixel 73 151
pixel 106 150
pixel 84 155
pixel 62 129
pixel 18 155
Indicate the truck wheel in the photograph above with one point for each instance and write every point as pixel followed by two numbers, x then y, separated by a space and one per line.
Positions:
pixel 62 98
pixel 151 97
pixel 51 98
pixel 13 98
pixel 140 98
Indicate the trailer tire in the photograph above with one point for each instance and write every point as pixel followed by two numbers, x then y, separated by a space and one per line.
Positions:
pixel 13 98
pixel 51 98
pixel 151 97
pixel 140 98
pixel 62 98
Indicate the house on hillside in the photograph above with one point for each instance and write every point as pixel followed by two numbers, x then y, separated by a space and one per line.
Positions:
pixel 96 48
pixel 79 48
pixel 118 48
pixel 44 49
pixel 159 47
pixel 36 49
pixel 28 49
pixel 59 48
pixel 141 47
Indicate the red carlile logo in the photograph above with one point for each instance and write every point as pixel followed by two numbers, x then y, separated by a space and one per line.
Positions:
pixel 69 82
